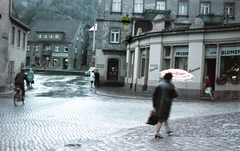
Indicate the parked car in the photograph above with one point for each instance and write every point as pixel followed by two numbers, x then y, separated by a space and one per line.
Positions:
pixel 87 73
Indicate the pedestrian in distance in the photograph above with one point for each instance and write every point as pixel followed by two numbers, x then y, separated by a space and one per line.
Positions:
pixel 208 87
pixel 162 99
pixel 97 77
pixel 19 80
pixel 92 78
pixel 30 76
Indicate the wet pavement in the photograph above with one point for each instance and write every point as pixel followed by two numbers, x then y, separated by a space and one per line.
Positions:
pixel 62 113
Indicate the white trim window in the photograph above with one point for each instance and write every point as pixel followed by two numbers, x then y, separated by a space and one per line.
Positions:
pixel 183 8
pixel 229 9
pixel 57 36
pixel 138 6
pixel 47 47
pixel 39 36
pixel 161 5
pixel 75 49
pixel 51 36
pixel 115 36
pixel 36 48
pixel 205 8
pixel 56 48
pixel 45 36
pixel 28 48
pixel 66 49
pixel 116 5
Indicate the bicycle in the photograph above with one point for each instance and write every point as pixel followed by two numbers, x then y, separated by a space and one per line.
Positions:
pixel 18 95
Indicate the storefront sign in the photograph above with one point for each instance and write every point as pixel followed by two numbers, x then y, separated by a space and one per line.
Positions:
pixel 230 51
pixel 181 54
pixel 100 65
pixel 65 55
pixel 211 52
pixel 153 67
pixel 181 51
pixel 192 70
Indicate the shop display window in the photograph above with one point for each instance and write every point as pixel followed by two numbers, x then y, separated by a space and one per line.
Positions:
pixel 230 69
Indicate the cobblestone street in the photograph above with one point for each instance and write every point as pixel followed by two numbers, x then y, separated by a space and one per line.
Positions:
pixel 110 118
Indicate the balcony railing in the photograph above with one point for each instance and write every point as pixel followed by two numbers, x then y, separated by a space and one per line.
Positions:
pixel 212 19
pixel 151 13
pixel 46 52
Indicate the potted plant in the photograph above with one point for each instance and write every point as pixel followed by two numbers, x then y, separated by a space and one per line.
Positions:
pixel 125 20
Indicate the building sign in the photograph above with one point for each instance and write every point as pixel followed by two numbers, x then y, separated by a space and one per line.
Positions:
pixel 230 51
pixel 211 52
pixel 100 65
pixel 181 51
pixel 153 67
pixel 65 55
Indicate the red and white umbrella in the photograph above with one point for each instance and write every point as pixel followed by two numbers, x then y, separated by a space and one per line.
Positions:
pixel 179 75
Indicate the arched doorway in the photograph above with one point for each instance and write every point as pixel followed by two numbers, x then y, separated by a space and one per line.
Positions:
pixel 112 72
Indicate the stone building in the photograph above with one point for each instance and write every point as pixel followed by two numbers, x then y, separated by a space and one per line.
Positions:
pixel 201 37
pixel 56 44
pixel 13 44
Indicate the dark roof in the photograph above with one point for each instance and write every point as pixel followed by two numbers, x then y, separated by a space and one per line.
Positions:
pixel 68 27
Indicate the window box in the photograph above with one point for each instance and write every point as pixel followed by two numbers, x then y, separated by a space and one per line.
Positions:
pixel 212 18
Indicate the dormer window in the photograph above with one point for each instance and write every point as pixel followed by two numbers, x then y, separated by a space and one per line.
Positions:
pixel 57 36
pixel 40 36
pixel 45 36
pixel 51 36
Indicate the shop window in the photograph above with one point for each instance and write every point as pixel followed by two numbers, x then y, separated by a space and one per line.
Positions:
pixel 115 36
pixel 205 8
pixel 138 6
pixel 181 58
pixel 230 68
pixel 160 5
pixel 143 59
pixel 116 5
pixel 167 58
pixel 56 62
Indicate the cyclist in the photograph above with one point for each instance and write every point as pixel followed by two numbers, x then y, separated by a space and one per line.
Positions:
pixel 19 80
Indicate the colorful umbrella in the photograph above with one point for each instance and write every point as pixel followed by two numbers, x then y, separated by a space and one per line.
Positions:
pixel 179 75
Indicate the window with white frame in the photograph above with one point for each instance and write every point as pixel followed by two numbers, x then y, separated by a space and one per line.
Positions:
pixel 36 48
pixel 57 36
pixel 138 6
pixel 116 5
pixel 183 8
pixel 45 36
pixel 77 38
pixel 51 36
pixel 229 9
pixel 75 49
pixel 205 8
pixel 143 60
pixel 39 36
pixel 160 5
pixel 65 49
pixel 28 48
pixel 115 36
pixel 47 47
pixel 56 48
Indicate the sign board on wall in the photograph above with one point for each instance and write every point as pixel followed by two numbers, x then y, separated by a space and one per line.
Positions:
pixel 181 51
pixel 60 55
pixel 230 51
pixel 211 51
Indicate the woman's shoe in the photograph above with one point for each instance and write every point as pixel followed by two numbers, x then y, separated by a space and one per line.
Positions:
pixel 158 137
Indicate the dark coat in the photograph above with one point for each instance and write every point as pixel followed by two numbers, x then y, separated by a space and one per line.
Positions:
pixel 20 77
pixel 162 99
